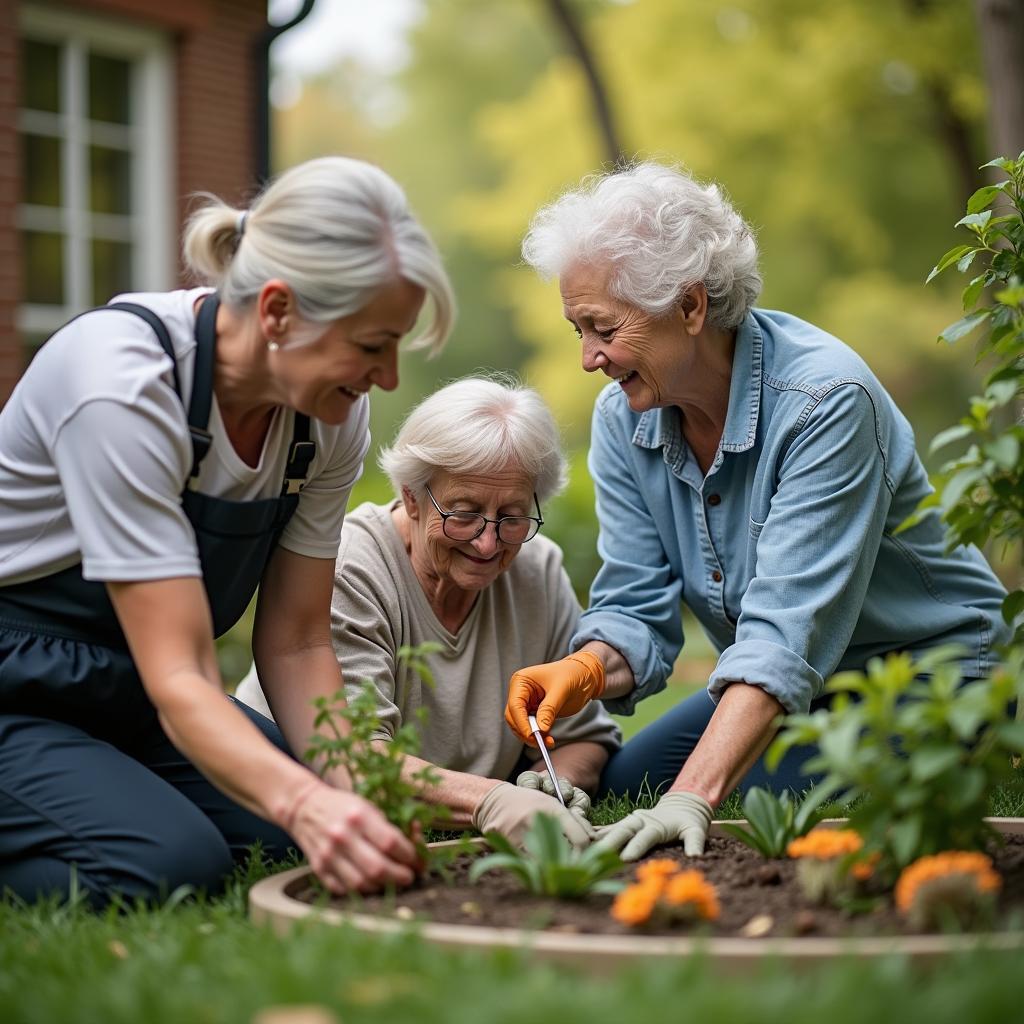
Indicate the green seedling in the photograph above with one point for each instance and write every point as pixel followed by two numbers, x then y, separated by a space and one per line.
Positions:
pixel 775 821
pixel 549 865
pixel 345 737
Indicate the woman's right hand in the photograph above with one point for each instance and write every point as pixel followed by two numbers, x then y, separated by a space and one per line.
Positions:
pixel 552 690
pixel 349 844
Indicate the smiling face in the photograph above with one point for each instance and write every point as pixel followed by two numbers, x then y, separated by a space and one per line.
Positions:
pixel 645 354
pixel 325 378
pixel 470 565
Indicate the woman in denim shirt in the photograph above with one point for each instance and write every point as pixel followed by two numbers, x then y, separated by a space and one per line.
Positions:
pixel 746 464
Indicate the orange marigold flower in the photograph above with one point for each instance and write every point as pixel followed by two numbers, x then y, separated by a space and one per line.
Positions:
pixel 691 890
pixel 657 870
pixel 973 867
pixel 825 843
pixel 635 904
pixel 862 870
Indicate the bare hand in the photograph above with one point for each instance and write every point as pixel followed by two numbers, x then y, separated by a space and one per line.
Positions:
pixel 350 845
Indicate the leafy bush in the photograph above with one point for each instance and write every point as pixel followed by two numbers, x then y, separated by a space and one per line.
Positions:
pixel 345 738
pixel 549 865
pixel 981 493
pixel 775 821
pixel 919 751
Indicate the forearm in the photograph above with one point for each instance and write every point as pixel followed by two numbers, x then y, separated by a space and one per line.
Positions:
pixel 738 733
pixel 460 792
pixel 581 763
pixel 618 676
pixel 291 681
pixel 228 749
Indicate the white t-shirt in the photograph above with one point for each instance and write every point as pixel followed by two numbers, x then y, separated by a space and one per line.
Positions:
pixel 95 452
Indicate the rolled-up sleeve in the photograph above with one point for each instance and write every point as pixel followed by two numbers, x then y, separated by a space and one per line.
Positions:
pixel 815 552
pixel 635 597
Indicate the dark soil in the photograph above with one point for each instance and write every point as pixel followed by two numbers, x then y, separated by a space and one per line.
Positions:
pixel 758 897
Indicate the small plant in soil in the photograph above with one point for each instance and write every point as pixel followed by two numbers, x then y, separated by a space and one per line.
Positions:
pixel 918 750
pixel 345 737
pixel 775 821
pixel 548 865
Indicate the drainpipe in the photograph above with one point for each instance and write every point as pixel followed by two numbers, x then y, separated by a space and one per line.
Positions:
pixel 263 44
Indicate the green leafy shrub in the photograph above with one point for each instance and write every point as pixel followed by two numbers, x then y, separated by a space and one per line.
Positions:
pixel 345 738
pixel 549 865
pixel 775 821
pixel 918 750
pixel 980 494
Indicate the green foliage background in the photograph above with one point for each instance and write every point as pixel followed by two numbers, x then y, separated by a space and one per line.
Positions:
pixel 847 133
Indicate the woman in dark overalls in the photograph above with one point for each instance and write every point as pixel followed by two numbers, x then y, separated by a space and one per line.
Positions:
pixel 161 457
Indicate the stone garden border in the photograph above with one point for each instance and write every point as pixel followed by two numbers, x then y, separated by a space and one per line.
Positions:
pixel 270 904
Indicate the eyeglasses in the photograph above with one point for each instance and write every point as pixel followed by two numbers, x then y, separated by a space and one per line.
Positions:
pixel 469 525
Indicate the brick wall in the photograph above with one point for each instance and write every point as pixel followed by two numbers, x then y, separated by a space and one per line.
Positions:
pixel 215 76
pixel 10 353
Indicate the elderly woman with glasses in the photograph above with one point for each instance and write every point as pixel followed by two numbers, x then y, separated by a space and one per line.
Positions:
pixel 457 560
pixel 748 465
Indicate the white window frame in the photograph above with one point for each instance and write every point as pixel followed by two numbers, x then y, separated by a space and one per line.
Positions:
pixel 150 225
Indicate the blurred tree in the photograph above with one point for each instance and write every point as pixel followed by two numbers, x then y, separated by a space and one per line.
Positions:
pixel 1001 27
pixel 821 122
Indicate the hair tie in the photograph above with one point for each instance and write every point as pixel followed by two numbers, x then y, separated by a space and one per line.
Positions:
pixel 240 227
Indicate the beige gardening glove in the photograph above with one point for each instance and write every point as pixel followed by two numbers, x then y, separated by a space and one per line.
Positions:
pixel 676 817
pixel 510 810
pixel 576 800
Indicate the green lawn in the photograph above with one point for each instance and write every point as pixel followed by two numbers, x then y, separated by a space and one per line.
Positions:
pixel 205 963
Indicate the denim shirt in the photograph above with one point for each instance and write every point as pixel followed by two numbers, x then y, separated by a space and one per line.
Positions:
pixel 786 551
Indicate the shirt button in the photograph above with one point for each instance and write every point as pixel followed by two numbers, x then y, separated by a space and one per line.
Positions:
pixel 716 576
pixel 714 499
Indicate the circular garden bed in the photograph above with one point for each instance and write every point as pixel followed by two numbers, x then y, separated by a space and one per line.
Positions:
pixel 762 911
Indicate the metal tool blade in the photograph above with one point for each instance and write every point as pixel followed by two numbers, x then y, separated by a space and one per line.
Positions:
pixel 539 736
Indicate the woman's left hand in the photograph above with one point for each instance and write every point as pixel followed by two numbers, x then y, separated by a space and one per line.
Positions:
pixel 676 817
pixel 576 801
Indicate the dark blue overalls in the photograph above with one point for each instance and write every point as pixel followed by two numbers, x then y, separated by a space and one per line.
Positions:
pixel 87 775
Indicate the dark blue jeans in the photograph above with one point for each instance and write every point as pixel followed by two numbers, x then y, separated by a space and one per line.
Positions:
pixel 130 814
pixel 657 753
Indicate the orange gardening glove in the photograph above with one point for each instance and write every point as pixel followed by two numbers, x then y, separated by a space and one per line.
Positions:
pixel 553 690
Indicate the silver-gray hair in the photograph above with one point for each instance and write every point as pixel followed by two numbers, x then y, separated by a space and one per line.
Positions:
pixel 478 425
pixel 336 230
pixel 660 231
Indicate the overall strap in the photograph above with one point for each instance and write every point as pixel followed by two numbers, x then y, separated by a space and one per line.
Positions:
pixel 301 451
pixel 300 454
pixel 159 329
pixel 202 381
pixel 200 438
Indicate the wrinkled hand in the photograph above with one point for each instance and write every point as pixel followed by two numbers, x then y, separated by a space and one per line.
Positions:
pixel 510 810
pixel 350 845
pixel 576 800
pixel 676 817
pixel 552 690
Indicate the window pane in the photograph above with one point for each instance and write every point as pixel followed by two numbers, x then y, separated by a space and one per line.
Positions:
pixel 40 179
pixel 43 267
pixel 109 180
pixel 40 76
pixel 109 89
pixel 111 269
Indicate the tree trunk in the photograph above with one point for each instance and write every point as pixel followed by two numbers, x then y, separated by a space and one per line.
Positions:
pixel 1001 29
pixel 562 12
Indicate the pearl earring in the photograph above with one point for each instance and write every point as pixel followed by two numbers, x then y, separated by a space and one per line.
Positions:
pixel 273 346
